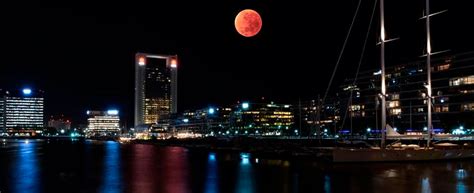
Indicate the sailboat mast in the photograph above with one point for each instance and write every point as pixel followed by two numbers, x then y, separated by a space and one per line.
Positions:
pixel 382 63
pixel 428 72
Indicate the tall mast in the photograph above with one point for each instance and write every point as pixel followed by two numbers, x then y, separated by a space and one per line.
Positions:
pixel 428 72
pixel 382 63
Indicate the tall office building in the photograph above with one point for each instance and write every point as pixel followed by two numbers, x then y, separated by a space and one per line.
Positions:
pixel 155 88
pixel 103 123
pixel 21 113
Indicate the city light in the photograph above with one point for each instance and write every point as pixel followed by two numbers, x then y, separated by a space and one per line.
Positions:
pixel 245 105
pixel 185 120
pixel 142 61
pixel 27 91
pixel 212 156
pixel 112 112
pixel 174 63
pixel 425 128
pixel 458 132
pixel 368 129
pixel 245 158
pixel 62 131
pixel 211 111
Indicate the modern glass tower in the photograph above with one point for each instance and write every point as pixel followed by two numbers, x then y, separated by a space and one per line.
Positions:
pixel 155 88
pixel 21 113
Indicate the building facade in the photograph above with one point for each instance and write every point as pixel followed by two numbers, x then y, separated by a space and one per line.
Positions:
pixel 268 119
pixel 22 112
pixel 452 98
pixel 103 123
pixel 155 88
pixel 59 123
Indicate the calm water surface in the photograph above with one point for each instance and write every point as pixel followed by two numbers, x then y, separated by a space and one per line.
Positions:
pixel 42 166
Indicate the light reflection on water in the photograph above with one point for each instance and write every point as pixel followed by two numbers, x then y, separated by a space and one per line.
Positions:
pixel 425 185
pixel 112 177
pixel 26 172
pixel 111 167
pixel 245 176
pixel 143 164
pixel 211 184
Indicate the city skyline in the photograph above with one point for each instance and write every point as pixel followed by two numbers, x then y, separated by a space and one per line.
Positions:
pixel 216 64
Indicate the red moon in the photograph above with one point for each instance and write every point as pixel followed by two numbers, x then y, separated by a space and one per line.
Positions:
pixel 248 23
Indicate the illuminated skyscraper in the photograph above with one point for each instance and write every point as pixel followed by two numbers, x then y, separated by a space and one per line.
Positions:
pixel 155 88
pixel 21 113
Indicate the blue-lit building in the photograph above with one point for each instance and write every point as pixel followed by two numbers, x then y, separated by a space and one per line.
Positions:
pixel 21 112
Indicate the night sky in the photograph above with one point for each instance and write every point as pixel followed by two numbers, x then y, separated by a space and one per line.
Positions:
pixel 81 52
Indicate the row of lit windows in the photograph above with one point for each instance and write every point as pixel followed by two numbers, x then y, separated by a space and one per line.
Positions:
pixel 395 111
pixel 393 104
pixel 23 124
pixel 16 99
pixel 25 111
pixel 37 120
pixel 25 114
pixel 356 107
pixel 461 81
pixel 281 113
pixel 358 114
pixel 467 107
pixel 24 107
pixel 444 108
pixel 24 101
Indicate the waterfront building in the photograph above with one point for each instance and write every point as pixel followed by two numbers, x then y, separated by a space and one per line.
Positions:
pixel 155 88
pixel 452 98
pixel 60 123
pixel 267 119
pixel 103 123
pixel 21 112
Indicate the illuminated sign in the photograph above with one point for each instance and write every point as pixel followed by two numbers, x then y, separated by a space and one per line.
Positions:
pixel 112 112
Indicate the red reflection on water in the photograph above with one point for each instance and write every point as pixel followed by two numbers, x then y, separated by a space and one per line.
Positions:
pixel 144 179
pixel 175 170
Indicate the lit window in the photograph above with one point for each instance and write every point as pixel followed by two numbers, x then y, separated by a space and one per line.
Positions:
pixel 467 107
pixel 395 111
pixel 445 109
pixel 461 81
pixel 443 67
pixel 393 104
pixel 354 108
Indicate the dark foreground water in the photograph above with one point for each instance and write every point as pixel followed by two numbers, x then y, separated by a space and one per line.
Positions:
pixel 35 166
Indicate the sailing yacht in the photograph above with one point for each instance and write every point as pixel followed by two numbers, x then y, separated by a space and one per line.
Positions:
pixel 398 152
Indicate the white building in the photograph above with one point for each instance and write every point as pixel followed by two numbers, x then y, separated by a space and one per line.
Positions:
pixel 103 123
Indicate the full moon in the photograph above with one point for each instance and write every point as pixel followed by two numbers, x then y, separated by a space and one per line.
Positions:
pixel 248 23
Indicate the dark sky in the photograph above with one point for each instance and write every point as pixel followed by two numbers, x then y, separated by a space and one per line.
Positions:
pixel 81 52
